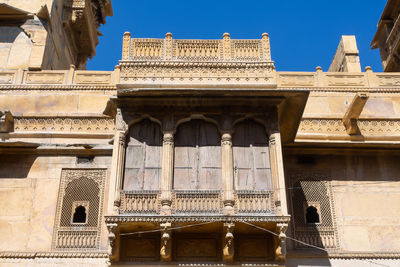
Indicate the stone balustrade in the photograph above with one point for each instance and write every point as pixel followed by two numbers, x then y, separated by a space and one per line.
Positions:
pixel 76 239
pixel 137 49
pixel 312 80
pixel 254 202
pixel 196 202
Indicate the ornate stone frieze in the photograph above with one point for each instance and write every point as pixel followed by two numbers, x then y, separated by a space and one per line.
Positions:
pixel 64 124
pixel 200 72
pixel 51 254
pixel 368 127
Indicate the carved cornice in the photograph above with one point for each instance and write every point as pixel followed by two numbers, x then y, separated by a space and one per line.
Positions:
pixel 195 218
pixel 14 88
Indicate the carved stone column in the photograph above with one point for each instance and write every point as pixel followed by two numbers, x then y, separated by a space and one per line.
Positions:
pixel 278 177
pixel 167 173
pixel 228 246
pixel 227 173
pixel 280 253
pixel 165 251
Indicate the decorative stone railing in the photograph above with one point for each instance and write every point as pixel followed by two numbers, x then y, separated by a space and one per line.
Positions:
pixel 140 202
pixel 197 202
pixel 319 238
pixel 254 202
pixel 137 49
pixel 76 239
pixel 193 72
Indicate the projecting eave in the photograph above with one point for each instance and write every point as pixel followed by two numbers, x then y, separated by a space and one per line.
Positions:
pixel 290 103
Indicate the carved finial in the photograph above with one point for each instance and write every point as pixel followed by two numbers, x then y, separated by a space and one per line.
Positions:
pixel 165 251
pixel 127 33
pixel 368 68
pixel 228 250
pixel 265 35
pixel 226 35
pixel 168 35
pixel 318 68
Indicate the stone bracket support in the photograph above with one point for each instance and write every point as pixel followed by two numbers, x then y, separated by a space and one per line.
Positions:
pixel 6 122
pixel 228 245
pixel 281 248
pixel 112 228
pixel 165 251
pixel 353 113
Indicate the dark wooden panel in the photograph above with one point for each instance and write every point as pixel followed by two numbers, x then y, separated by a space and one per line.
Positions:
pixel 199 247
pixel 145 248
pixel 254 247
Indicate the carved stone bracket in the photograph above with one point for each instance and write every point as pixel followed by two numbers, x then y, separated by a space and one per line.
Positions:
pixel 165 251
pixel 112 227
pixel 281 248
pixel 6 122
pixel 228 246
pixel 353 113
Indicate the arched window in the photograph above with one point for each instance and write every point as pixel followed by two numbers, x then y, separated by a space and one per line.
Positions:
pixel 312 215
pixel 252 169
pixel 143 157
pixel 79 215
pixel 197 162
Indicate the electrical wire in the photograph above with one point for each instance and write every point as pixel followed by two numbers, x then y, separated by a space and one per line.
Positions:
pixel 250 224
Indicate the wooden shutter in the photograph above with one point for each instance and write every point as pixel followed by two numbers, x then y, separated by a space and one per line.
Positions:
pixel 143 157
pixel 252 169
pixel 197 162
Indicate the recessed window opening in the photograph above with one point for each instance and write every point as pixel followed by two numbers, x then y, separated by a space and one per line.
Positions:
pixel 79 215
pixel 312 215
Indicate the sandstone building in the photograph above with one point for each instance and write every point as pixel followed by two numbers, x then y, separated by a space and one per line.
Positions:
pixel 190 152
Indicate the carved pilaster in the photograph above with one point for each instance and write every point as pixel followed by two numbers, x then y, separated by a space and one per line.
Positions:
pixel 266 47
pixel 227 46
pixel 126 41
pixel 278 178
pixel 227 173
pixel 165 251
pixel 168 46
pixel 280 252
pixel 167 173
pixel 228 246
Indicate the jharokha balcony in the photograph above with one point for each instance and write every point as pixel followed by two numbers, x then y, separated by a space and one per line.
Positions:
pixel 197 161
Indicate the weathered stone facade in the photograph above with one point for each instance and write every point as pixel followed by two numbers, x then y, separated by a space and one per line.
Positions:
pixel 199 152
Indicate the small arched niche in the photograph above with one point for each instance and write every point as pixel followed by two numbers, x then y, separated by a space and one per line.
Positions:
pixel 197 162
pixel 252 170
pixel 143 156
pixel 312 215
pixel 80 215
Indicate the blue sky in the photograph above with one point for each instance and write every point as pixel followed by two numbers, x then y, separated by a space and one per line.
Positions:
pixel 304 33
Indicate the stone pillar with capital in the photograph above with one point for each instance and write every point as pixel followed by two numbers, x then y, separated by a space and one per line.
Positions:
pixel 167 172
pixel 227 173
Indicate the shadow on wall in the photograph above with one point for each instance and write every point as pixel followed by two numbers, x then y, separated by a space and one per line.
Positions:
pixel 15 166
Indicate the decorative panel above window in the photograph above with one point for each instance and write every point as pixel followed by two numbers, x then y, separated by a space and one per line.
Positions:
pixel 143 157
pixel 252 170
pixel 197 156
